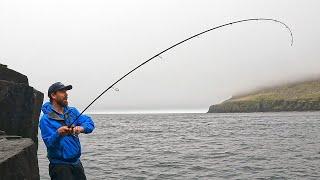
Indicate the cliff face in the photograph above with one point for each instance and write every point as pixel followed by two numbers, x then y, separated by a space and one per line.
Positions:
pixel 19 115
pixel 300 96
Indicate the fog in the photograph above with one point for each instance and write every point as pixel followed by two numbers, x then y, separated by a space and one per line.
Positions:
pixel 90 44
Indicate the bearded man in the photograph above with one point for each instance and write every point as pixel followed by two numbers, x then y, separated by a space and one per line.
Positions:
pixel 61 137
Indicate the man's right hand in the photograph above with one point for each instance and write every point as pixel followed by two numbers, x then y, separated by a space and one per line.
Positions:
pixel 64 130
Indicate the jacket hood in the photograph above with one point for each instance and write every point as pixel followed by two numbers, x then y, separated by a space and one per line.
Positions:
pixel 46 108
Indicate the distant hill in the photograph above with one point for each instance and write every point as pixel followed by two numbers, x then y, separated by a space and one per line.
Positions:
pixel 298 96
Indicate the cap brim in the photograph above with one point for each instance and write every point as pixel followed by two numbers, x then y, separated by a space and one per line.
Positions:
pixel 66 87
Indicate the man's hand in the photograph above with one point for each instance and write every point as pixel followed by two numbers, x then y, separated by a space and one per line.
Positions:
pixel 64 130
pixel 78 130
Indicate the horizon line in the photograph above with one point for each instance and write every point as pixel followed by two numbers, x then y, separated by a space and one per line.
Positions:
pixel 152 111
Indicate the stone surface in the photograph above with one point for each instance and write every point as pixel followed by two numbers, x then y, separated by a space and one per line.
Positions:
pixel 19 116
pixel 20 109
pixel 11 75
pixel 17 159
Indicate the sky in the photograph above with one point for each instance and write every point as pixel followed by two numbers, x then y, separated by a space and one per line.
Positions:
pixel 92 43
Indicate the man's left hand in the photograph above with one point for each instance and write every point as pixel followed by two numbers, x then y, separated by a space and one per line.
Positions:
pixel 78 130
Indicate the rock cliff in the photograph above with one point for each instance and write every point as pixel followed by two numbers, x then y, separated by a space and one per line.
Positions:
pixel 19 116
pixel 298 96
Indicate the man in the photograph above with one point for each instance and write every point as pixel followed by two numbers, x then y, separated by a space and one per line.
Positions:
pixel 62 142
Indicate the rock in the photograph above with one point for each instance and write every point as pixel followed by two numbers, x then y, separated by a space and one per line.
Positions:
pixel 8 137
pixel 19 117
pixel 20 109
pixel 17 159
pixel 11 75
pixel 3 65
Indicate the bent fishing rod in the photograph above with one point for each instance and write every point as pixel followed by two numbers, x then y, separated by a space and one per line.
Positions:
pixel 177 44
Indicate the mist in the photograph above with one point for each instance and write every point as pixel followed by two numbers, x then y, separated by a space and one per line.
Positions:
pixel 90 44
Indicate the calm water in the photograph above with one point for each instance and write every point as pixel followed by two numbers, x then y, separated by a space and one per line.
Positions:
pixel 201 146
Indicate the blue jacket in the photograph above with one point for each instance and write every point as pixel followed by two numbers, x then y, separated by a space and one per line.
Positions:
pixel 62 149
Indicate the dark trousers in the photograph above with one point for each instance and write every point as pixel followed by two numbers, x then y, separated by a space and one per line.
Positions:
pixel 67 172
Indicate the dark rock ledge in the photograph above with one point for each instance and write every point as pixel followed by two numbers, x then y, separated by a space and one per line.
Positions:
pixel 19 117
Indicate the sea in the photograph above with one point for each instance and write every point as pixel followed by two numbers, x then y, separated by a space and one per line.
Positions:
pixel 281 145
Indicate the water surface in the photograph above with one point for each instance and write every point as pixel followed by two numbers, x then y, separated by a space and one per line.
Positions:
pixel 282 145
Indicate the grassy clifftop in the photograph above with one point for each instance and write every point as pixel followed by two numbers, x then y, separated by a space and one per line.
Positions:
pixel 299 96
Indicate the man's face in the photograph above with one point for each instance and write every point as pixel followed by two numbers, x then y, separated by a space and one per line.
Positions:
pixel 60 97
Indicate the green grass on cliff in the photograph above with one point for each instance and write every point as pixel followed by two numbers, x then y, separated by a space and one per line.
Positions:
pixel 307 90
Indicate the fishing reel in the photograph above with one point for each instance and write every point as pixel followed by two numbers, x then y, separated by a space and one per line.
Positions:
pixel 72 131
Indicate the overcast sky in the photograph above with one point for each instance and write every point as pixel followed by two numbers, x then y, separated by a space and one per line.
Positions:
pixel 92 43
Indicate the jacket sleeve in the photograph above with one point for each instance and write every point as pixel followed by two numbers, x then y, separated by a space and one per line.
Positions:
pixel 85 121
pixel 49 134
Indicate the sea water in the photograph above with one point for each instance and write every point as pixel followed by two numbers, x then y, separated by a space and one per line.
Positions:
pixel 284 145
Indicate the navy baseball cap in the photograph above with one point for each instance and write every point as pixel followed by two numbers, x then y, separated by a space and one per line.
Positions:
pixel 58 86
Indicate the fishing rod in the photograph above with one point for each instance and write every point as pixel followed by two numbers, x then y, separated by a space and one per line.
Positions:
pixel 185 40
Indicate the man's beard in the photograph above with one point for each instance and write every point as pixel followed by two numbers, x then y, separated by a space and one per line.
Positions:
pixel 63 103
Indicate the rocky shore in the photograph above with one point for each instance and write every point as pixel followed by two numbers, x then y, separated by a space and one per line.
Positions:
pixel 19 117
